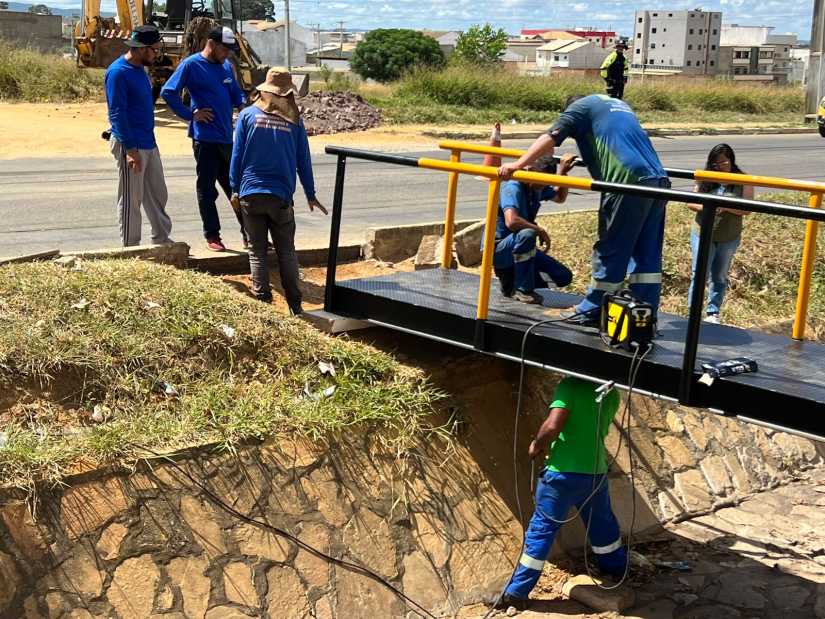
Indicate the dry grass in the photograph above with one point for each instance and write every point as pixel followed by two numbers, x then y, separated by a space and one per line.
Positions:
pixel 151 348
pixel 27 75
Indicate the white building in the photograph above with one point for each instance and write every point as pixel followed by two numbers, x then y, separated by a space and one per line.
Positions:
pixel 267 40
pixel 676 41
pixel 570 54
pixel 756 51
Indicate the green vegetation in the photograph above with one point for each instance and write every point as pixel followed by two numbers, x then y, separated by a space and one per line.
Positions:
pixel 27 75
pixel 468 94
pixel 763 279
pixel 167 359
pixel 386 53
pixel 480 45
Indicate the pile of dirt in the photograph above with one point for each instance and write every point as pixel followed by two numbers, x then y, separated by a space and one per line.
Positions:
pixel 337 112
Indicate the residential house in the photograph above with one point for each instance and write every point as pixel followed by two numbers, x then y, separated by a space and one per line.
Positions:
pixel 678 42
pixel 446 39
pixel 602 38
pixel 564 54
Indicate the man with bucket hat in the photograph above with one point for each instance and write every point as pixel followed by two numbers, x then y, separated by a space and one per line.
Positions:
pixel 132 140
pixel 214 92
pixel 270 146
pixel 614 71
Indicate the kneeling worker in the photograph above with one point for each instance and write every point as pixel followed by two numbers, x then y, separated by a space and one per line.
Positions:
pixel 519 268
pixel 575 467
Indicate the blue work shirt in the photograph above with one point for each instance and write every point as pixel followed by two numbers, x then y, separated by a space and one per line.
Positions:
pixel 266 154
pixel 525 201
pixel 210 85
pixel 131 106
pixel 611 141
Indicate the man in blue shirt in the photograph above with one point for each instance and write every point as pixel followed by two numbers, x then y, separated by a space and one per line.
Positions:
pixel 132 140
pixel 270 146
pixel 519 268
pixel 615 149
pixel 214 93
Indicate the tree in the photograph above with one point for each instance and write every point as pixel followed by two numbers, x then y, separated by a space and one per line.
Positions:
pixel 386 53
pixel 481 45
pixel 40 9
pixel 257 9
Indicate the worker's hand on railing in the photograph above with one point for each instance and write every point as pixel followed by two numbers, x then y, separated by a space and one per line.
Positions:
pixel 566 163
pixel 133 160
pixel 506 171
pixel 313 204
pixel 203 115
pixel 544 240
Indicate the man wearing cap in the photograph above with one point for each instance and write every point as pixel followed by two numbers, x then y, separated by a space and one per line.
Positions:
pixel 614 71
pixel 270 146
pixel 214 92
pixel 132 141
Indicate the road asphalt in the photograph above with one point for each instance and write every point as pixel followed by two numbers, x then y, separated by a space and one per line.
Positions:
pixel 68 203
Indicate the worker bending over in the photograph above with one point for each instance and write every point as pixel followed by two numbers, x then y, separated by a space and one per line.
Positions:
pixel 519 268
pixel 615 149
pixel 573 475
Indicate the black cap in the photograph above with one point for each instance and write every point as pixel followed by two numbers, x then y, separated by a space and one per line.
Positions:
pixel 143 36
pixel 224 36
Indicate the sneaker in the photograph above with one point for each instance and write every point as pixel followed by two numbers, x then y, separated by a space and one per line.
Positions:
pixel 215 244
pixel 505 601
pixel 713 319
pixel 527 297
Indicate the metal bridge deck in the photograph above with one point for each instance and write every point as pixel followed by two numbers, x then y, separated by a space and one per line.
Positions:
pixel 788 391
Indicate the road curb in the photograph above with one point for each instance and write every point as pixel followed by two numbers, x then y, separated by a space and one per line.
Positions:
pixel 237 262
pixel 653 132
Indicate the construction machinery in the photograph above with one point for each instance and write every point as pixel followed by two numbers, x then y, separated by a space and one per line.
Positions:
pixel 183 24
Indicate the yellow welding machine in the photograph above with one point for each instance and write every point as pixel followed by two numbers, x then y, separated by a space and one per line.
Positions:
pixel 626 322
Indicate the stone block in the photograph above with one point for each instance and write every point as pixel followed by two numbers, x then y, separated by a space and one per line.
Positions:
pixel 313 570
pixel 108 546
pixel 740 479
pixel 200 518
pixel 585 590
pixel 225 612
pixel 328 497
pixel 429 252
pixel 132 592
pixel 693 489
pixel 256 542
pixel 84 508
pixel 238 585
pixel 478 569
pixel 359 596
pixel 79 574
pixel 9 581
pixel 421 582
pixel 696 430
pixel 27 535
pixel 674 422
pixel 669 506
pixel 369 540
pixel 433 540
pixel 333 323
pixel 397 243
pixel 717 475
pixel 468 244
pixel 286 597
pixel 188 574
pixel 677 454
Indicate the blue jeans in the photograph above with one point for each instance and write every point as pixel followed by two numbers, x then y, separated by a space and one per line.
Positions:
pixel 719 261
pixel 555 495
pixel 516 259
pixel 629 246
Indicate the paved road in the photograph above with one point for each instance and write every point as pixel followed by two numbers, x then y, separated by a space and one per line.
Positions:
pixel 67 203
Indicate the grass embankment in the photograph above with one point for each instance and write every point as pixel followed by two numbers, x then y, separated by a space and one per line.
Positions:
pixel 114 335
pixel 27 75
pixel 470 95
pixel 763 279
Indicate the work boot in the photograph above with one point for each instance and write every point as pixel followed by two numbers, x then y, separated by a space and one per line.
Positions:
pixel 530 297
pixel 506 600
pixel 506 279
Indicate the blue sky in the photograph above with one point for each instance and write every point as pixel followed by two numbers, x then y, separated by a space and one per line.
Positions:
pixel 512 15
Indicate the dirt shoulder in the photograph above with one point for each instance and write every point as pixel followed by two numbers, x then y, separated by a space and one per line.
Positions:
pixel 73 130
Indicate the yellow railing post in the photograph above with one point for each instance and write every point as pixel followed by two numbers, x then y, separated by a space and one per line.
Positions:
pixel 489 249
pixel 803 294
pixel 449 216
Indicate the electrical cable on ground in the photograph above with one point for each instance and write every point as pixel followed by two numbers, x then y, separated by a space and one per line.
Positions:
pixel 359 569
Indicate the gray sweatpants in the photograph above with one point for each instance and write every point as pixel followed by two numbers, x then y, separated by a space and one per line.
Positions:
pixel 262 214
pixel 147 187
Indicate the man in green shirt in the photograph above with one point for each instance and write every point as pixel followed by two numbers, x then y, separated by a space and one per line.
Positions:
pixel 573 475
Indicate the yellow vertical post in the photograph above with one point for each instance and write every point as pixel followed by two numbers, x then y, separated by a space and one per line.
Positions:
pixel 489 249
pixel 449 216
pixel 803 294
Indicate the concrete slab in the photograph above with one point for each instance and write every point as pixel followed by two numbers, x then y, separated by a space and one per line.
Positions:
pixel 233 262
pixel 333 323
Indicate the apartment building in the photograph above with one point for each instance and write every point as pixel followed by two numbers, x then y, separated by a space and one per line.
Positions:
pixel 676 42
pixel 754 53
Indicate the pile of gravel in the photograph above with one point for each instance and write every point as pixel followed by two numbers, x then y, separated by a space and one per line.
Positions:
pixel 337 112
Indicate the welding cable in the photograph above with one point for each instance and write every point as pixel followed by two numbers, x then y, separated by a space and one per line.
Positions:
pixel 632 375
pixel 354 567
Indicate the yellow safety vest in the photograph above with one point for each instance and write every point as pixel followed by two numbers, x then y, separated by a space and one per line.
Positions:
pixel 609 61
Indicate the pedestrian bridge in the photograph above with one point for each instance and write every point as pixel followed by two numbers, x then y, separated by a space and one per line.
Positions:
pixel 456 307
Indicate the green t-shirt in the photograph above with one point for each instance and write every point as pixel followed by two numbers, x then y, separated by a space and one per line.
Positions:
pixel 578 449
pixel 727 226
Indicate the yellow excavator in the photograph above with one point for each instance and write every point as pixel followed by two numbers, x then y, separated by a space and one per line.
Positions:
pixel 183 24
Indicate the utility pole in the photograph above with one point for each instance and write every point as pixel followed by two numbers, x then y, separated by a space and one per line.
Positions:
pixel 341 40
pixel 288 37
pixel 813 91
pixel 318 45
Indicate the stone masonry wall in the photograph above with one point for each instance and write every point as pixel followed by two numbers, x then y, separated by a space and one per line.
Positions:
pixel 148 545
